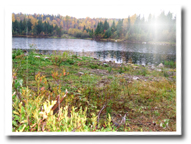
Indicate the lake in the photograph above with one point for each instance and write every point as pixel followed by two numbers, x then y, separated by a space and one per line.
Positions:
pixel 105 51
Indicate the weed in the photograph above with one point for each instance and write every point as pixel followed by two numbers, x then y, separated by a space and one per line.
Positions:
pixel 16 53
pixel 109 69
pixel 170 64
pixel 57 60
pixel 93 66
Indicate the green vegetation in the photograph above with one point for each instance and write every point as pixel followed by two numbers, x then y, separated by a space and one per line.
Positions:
pixel 170 64
pixel 64 92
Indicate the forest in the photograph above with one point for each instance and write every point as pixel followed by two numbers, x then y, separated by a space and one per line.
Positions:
pixel 132 29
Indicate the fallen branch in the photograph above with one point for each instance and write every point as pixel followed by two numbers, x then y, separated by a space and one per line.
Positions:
pixel 56 107
pixel 100 113
pixel 123 120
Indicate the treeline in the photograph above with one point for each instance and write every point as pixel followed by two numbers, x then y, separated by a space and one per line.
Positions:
pixel 134 28
pixel 162 28
pixel 25 27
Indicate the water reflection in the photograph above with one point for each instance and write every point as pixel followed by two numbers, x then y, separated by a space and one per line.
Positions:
pixel 78 45
pixel 105 51
pixel 135 57
pixel 118 56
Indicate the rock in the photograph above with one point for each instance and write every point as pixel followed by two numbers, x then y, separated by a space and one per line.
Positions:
pixel 152 67
pixel 96 58
pixel 158 70
pixel 26 54
pixel 46 58
pixel 170 73
pixel 101 85
pixel 79 58
pixel 160 65
pixel 134 67
pixel 37 56
pixel 135 78
pixel 80 73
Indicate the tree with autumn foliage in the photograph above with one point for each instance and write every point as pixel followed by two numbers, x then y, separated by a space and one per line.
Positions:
pixel 133 28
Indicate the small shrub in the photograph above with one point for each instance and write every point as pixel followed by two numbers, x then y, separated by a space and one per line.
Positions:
pixel 65 55
pixel 121 70
pixel 142 72
pixel 74 56
pixel 93 66
pixel 57 60
pixel 106 65
pixel 16 53
pixel 126 68
pixel 109 69
pixel 70 61
pixel 170 64
pixel 165 74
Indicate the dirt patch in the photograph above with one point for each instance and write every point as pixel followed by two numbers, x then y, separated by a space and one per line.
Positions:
pixel 131 78
pixel 103 82
pixel 98 71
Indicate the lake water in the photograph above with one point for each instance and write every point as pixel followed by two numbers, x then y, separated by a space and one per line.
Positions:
pixel 106 51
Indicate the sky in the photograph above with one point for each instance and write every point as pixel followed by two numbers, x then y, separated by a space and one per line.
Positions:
pixel 105 10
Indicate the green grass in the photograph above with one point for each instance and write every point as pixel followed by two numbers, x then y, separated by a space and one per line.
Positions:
pixel 149 102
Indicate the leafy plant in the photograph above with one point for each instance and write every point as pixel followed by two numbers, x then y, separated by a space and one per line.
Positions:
pixel 170 64
pixel 109 69
pixel 16 53
pixel 93 66
pixel 57 60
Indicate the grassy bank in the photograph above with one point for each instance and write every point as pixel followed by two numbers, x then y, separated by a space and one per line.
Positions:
pixel 64 92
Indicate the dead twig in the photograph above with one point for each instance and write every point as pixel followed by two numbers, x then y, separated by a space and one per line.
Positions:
pixel 100 113
pixel 123 120
pixel 56 107
pixel 76 128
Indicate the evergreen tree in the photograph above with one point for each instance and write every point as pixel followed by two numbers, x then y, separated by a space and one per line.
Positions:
pixel 39 27
pixel 29 25
pixel 16 26
pixel 84 28
pixel 91 33
pixel 113 28
pixel 98 29
pixel 108 33
pixel 101 28
pixel 106 25
pixel 119 28
pixel 58 31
